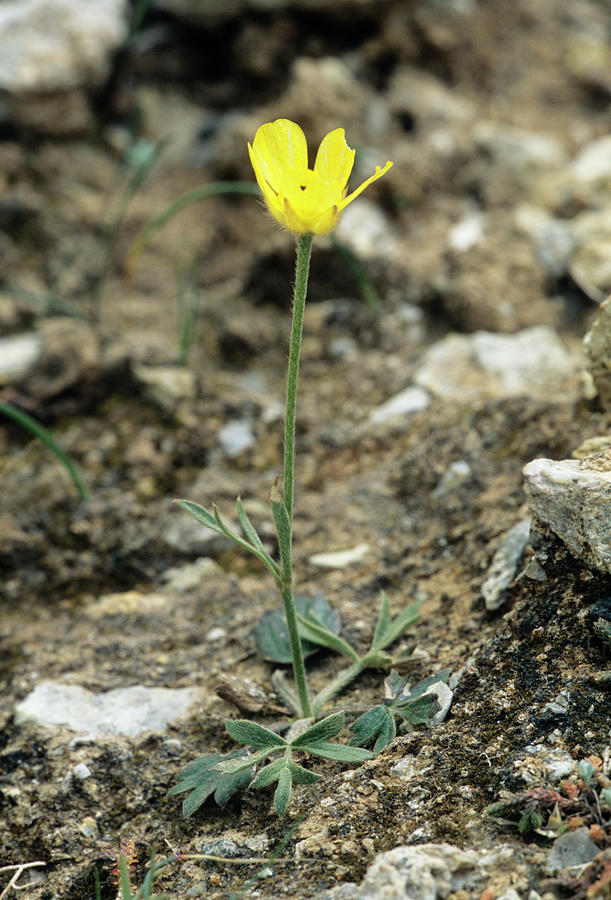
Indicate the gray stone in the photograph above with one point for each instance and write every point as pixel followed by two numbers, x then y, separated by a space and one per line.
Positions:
pixel 183 579
pixel 18 355
pixel 411 400
pixel 590 263
pixel 58 45
pixel 504 564
pixel 593 162
pixel 574 501
pixel 575 848
pixel 165 386
pixel 366 230
pixel 69 356
pixel 236 437
pixel 444 696
pixel 340 559
pixel 517 151
pixel 486 365
pixel 127 711
pixel 466 233
pixel 457 473
pixel 597 343
pixel 191 538
pixel 424 872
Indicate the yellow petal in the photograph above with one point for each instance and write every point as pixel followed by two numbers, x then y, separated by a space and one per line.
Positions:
pixel 334 159
pixel 271 196
pixel 377 174
pixel 278 147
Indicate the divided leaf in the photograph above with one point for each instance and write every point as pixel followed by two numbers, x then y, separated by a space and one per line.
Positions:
pixel 202 779
pixel 320 731
pixel 378 723
pixel 246 732
pixel 389 630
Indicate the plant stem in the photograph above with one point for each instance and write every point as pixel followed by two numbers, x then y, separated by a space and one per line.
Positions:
pixel 302 268
pixel 304 250
pixel 341 680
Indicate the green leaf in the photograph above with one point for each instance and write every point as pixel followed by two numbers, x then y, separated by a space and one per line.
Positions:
pixel 202 779
pixel 216 524
pixel 338 752
pixel 249 529
pixel 126 887
pixel 378 723
pixel 367 726
pixel 425 684
pixel 202 515
pixel 315 630
pixel 282 797
pixel 246 732
pixel 320 731
pixel 418 710
pixel 301 775
pixel 45 436
pixel 271 633
pixel 230 766
pixel 530 821
pixel 388 733
pixel 383 620
pixel 270 773
pixel 283 527
pixel 396 627
pixel 394 685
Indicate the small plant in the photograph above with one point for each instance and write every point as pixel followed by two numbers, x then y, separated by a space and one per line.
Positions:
pixel 401 705
pixel 44 435
pixel 307 202
pixel 123 872
pixel 577 802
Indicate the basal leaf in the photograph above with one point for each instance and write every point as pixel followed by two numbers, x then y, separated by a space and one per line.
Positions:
pixel 202 780
pixel 321 731
pixel 282 796
pixel 246 732
pixel 418 710
pixel 338 752
pixel 424 685
pixel 269 773
pixel 368 726
pixel 301 775
pixel 271 633
pixel 395 628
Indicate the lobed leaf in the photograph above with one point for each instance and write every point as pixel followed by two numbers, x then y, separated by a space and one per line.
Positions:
pixel 338 752
pixel 320 731
pixel 282 796
pixel 202 779
pixel 246 732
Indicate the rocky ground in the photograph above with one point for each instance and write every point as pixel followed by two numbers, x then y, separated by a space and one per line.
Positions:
pixel 443 352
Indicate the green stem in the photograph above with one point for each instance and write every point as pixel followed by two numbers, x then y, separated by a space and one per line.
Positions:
pixel 283 506
pixel 304 250
pixel 341 680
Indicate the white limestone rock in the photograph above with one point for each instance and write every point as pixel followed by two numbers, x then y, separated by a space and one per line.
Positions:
pixel 426 872
pixel 58 45
pixel 487 366
pixel 127 711
pixel 573 498
pixel 504 564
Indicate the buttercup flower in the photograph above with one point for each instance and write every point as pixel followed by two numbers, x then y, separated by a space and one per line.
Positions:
pixel 303 200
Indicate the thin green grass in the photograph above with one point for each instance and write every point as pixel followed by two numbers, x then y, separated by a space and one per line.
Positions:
pixel 40 432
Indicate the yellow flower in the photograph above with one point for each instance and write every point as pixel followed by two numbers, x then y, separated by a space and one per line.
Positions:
pixel 304 200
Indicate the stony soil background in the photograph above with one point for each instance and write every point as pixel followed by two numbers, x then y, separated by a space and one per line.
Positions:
pixel 495 220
